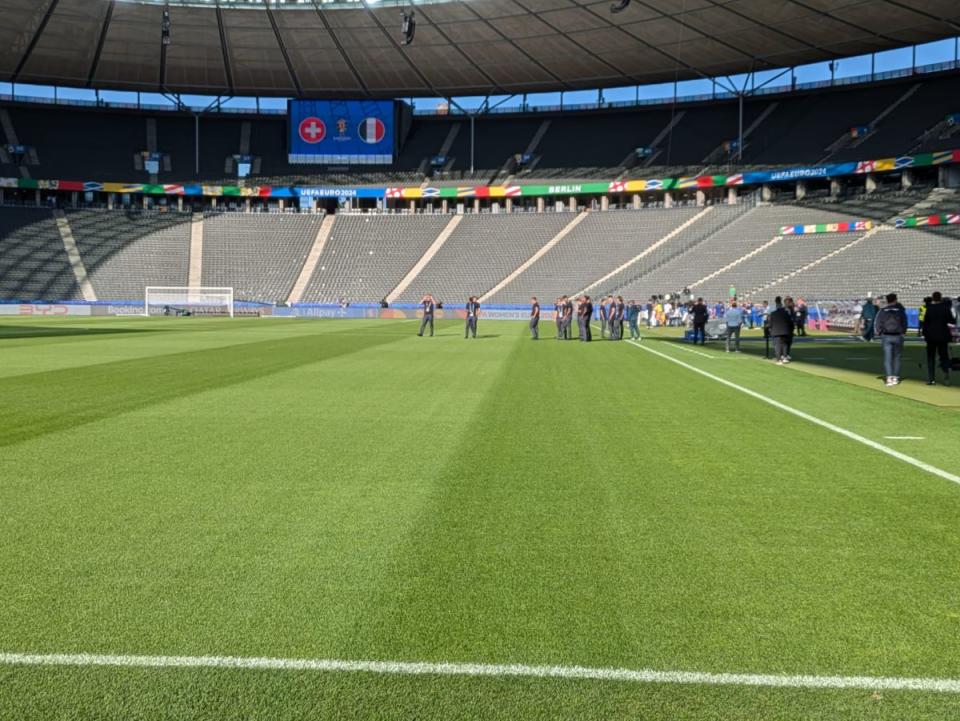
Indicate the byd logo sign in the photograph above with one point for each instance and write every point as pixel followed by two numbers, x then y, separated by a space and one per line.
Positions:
pixel 44 310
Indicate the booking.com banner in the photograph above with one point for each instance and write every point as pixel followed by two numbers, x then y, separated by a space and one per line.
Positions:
pixel 341 132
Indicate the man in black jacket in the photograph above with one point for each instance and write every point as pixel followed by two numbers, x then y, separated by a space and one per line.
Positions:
pixel 780 324
pixel 891 325
pixel 802 313
pixel 936 332
pixel 700 317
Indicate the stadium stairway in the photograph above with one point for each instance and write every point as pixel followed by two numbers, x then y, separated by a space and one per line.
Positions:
pixel 310 262
pixel 779 281
pixel 536 256
pixel 746 256
pixel 196 251
pixel 647 251
pixel 845 141
pixel 73 257
pixel 426 258
pixel 6 122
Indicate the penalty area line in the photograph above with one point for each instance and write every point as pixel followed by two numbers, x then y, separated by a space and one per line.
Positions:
pixel 916 462
pixel 404 668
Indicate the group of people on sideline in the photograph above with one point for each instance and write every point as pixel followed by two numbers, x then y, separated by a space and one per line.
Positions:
pixel 785 320
pixel 612 313
pixel 938 323
pixel 937 326
pixel 782 323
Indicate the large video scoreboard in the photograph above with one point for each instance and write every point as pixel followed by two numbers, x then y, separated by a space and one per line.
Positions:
pixel 341 132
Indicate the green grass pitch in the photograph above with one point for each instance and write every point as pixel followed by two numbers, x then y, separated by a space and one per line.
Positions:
pixel 301 489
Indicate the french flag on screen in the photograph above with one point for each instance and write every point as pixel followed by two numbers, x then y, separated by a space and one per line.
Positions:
pixel 371 130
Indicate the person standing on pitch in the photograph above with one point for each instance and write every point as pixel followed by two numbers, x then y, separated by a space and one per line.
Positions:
pixel 473 313
pixel 936 332
pixel 582 321
pixel 734 320
pixel 700 317
pixel 567 317
pixel 633 318
pixel 429 306
pixel 603 318
pixel 780 324
pixel 586 308
pixel 558 317
pixel 868 317
pixel 802 314
pixel 612 321
pixel 621 312
pixel 891 325
pixel 534 318
pixel 792 310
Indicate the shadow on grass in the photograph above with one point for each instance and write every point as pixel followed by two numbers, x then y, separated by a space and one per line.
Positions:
pixel 9 332
pixel 842 353
pixel 39 403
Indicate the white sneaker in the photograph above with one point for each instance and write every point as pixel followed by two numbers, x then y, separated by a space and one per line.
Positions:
pixel 890 383
pixel 786 359
pixel 780 362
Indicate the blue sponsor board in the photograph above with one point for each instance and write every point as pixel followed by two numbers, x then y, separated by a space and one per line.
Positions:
pixel 341 132
pixel 335 192
pixel 789 174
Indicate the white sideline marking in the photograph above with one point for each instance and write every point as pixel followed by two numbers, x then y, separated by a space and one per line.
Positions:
pixel 807 417
pixel 696 352
pixel 405 668
pixel 905 438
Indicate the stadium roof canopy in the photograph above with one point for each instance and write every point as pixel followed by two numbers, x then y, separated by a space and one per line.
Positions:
pixel 318 48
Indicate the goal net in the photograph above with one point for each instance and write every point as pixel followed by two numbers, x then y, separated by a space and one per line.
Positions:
pixel 171 300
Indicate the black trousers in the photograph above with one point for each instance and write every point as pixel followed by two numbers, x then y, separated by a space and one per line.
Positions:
pixel 935 349
pixel 423 324
pixel 780 347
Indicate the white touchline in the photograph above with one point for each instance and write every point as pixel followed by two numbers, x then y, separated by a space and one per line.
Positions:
pixel 412 668
pixel 696 352
pixel 904 438
pixel 807 417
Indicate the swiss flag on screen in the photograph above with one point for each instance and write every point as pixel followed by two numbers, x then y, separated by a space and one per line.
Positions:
pixel 371 130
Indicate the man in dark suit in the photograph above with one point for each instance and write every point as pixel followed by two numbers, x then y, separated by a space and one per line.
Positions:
pixel 534 318
pixel 473 313
pixel 936 332
pixel 700 317
pixel 780 325
pixel 587 317
pixel 429 306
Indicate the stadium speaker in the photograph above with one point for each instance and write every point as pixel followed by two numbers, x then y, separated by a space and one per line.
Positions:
pixel 619 6
pixel 408 26
pixel 165 26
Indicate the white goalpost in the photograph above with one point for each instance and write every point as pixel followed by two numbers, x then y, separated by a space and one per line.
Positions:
pixel 183 300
